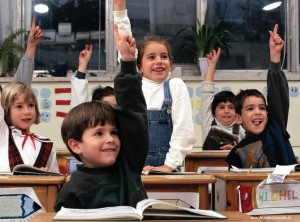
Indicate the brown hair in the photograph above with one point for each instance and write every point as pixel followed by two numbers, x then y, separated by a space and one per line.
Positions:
pixel 242 95
pixel 84 116
pixel 146 41
pixel 10 93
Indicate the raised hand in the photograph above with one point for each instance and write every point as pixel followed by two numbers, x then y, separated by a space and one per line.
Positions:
pixel 276 44
pixel 212 59
pixel 34 38
pixel 126 45
pixel 84 58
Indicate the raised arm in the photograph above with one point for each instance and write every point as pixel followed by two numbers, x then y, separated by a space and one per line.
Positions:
pixel 131 108
pixel 26 66
pixel 79 82
pixel 278 89
pixel 207 93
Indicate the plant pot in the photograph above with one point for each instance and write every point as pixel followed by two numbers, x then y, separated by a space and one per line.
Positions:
pixel 202 62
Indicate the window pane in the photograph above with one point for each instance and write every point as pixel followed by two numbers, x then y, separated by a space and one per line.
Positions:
pixel 161 17
pixel 68 26
pixel 249 25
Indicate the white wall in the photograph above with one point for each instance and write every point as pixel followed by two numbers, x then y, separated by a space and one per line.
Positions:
pixel 50 126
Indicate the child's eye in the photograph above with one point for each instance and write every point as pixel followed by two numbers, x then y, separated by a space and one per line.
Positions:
pixel 31 105
pixel 150 57
pixel 99 133
pixel 18 106
pixel 114 132
pixel 165 56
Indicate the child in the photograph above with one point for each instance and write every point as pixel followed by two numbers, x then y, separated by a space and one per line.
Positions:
pixel 217 111
pixel 267 141
pixel 18 111
pixel 112 144
pixel 171 129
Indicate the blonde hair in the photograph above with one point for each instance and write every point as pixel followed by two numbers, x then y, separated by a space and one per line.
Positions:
pixel 10 93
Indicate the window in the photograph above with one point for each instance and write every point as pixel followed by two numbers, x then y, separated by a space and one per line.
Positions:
pixel 70 24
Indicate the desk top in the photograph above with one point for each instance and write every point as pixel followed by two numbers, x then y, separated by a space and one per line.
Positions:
pixel 178 179
pixel 28 179
pixel 208 154
pixel 251 176
pixel 232 216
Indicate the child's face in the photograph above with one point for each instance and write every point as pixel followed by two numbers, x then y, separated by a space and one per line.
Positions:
pixel 225 113
pixel 111 100
pixel 100 146
pixel 254 116
pixel 155 63
pixel 22 113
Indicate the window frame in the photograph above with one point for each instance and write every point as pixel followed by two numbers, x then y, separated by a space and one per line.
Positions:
pixel 292 42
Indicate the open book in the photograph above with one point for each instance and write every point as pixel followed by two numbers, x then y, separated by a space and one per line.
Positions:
pixel 156 172
pixel 144 208
pixel 23 169
pixel 252 170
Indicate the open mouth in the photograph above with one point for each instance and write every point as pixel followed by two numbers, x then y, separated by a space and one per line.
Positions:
pixel 257 122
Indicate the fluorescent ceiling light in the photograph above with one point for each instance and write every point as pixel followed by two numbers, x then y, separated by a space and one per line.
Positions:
pixel 272 6
pixel 41 8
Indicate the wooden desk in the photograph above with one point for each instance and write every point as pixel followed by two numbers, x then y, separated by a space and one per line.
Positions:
pixel 45 187
pixel 229 181
pixel 232 216
pixel 181 183
pixel 205 158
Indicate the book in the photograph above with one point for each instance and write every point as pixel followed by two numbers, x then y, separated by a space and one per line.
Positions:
pixel 145 208
pixel 23 169
pixel 252 170
pixel 156 172
pixel 203 169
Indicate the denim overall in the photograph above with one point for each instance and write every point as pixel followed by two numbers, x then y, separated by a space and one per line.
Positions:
pixel 160 130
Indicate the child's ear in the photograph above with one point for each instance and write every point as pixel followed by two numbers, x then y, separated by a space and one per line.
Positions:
pixel 74 146
pixel 238 119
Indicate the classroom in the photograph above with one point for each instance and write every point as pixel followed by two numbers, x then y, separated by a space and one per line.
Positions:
pixel 69 25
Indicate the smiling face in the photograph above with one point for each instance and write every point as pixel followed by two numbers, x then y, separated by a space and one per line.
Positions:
pixel 99 146
pixel 22 112
pixel 225 113
pixel 253 116
pixel 155 63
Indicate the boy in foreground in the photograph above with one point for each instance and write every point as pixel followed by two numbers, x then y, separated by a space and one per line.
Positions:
pixel 267 141
pixel 111 143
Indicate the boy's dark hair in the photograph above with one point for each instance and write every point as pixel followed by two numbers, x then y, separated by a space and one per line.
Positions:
pixel 146 41
pixel 84 116
pixel 101 92
pixel 242 95
pixel 221 97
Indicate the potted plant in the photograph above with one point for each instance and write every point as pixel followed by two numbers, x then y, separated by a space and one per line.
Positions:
pixel 203 39
pixel 9 49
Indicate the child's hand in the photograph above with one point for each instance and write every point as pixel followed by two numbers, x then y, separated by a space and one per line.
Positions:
pixel 34 38
pixel 126 45
pixel 46 169
pixel 212 58
pixel 84 58
pixel 227 147
pixel 276 44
